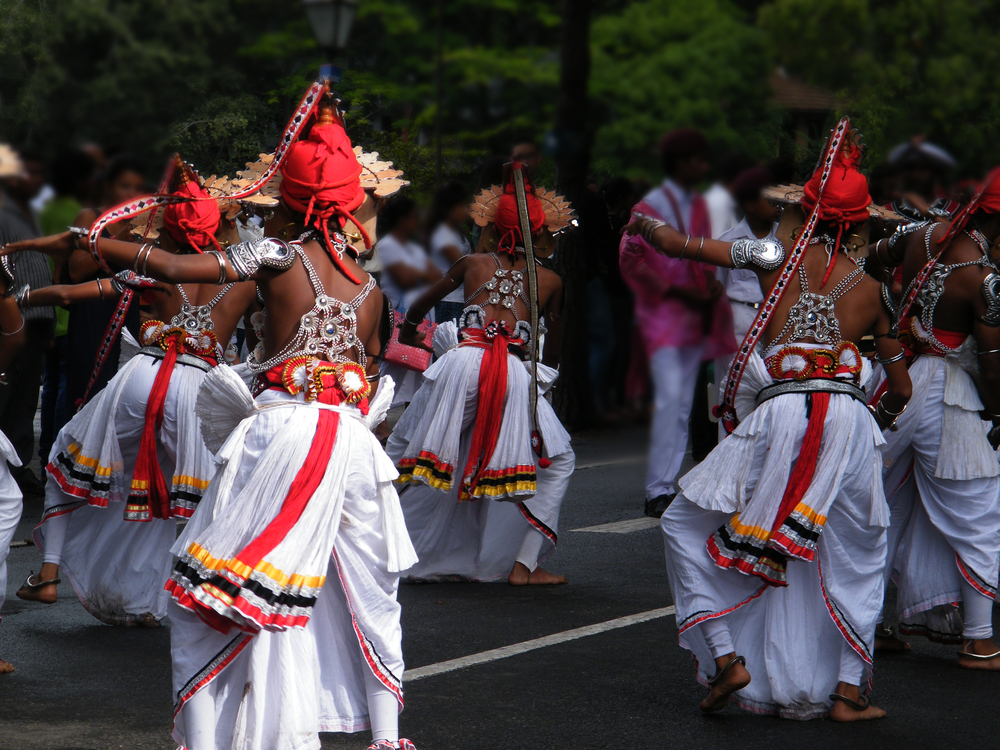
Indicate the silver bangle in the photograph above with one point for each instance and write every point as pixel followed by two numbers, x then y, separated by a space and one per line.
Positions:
pixel 100 288
pixel 989 351
pixel 697 256
pixel 684 249
pixel 21 297
pixel 221 260
pixel 893 414
pixel 896 358
pixel 649 226
pixel 135 260
pixel 145 261
pixel 406 318
pixel 14 333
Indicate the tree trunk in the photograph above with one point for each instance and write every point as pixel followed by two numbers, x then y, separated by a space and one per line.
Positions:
pixel 573 397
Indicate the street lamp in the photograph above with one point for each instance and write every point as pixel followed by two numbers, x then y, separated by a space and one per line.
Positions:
pixel 331 21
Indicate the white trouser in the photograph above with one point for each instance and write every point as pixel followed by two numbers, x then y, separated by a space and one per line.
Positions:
pixel 743 318
pixel 674 371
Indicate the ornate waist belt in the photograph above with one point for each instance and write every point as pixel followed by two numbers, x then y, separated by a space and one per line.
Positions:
pixel 182 359
pixel 815 385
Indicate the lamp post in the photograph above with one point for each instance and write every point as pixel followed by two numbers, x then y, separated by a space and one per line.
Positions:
pixel 331 22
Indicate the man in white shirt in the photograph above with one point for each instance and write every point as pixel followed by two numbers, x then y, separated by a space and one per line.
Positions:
pixel 449 214
pixel 677 309
pixel 760 220
pixel 723 208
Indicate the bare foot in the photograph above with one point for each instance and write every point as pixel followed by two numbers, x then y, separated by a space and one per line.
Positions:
pixel 45 594
pixel 521 576
pixel 892 644
pixel 844 712
pixel 6 667
pixel 736 678
pixel 984 647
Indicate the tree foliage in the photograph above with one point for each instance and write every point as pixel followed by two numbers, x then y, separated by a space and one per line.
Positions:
pixel 663 64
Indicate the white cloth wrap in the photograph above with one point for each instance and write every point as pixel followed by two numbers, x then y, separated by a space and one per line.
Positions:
pixel 722 482
pixel 793 637
pixel 965 453
pixel 434 420
pixel 282 687
pixel 10 510
pixel 118 567
pixel 479 540
pixel 944 497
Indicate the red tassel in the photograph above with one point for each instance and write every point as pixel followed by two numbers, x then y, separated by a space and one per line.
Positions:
pixel 149 496
pixel 489 414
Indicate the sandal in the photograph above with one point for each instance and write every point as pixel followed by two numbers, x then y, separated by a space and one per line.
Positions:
pixel 36 587
pixel 713 681
pixel 853 704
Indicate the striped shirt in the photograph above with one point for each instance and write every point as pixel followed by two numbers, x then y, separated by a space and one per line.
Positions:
pixel 30 266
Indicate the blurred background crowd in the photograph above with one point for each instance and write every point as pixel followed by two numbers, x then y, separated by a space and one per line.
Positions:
pixel 94 94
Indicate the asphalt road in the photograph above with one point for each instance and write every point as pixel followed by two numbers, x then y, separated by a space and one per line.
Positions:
pixel 80 684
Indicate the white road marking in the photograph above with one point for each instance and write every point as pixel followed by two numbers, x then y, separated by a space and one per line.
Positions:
pixel 622 527
pixel 612 462
pixel 483 657
pixel 25 543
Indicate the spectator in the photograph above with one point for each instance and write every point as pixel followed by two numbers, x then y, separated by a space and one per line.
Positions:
pixel 446 229
pixel 72 176
pixel 679 307
pixel 19 395
pixel 406 273
pixel 123 181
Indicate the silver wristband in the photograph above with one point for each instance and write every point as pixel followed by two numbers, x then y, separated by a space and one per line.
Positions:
pixel 890 360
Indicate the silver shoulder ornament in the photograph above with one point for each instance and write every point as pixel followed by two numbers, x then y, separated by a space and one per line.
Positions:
pixel 767 254
pixel 991 293
pixel 904 230
pixel 248 257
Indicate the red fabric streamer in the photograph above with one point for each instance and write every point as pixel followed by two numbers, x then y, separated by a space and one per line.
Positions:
pixel 193 222
pixel 845 198
pixel 489 409
pixel 805 466
pixel 508 219
pixel 149 496
pixel 320 178
pixel 304 486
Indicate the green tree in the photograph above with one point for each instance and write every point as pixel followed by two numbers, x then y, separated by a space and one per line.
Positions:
pixel 662 64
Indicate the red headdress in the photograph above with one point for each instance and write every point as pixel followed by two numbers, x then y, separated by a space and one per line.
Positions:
pixel 508 221
pixel 845 198
pixel 193 222
pixel 986 200
pixel 320 178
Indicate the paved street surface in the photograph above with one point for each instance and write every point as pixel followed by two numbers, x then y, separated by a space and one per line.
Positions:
pixel 623 684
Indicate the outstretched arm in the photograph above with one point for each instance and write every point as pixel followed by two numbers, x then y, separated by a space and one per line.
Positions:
pixel 425 303
pixel 147 259
pixel 65 295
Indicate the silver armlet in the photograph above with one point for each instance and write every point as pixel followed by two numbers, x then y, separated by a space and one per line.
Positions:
pixel 767 254
pixel 247 258
pixel 991 293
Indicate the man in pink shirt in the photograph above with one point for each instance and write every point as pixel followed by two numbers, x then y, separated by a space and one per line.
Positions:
pixel 680 308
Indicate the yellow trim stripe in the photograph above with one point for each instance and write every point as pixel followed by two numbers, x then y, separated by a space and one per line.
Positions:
pixel 244 571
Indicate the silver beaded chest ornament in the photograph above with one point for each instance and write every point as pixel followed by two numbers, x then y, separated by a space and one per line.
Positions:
pixel 956 227
pixel 726 411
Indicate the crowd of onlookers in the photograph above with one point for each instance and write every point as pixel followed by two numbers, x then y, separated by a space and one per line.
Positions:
pixel 61 344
